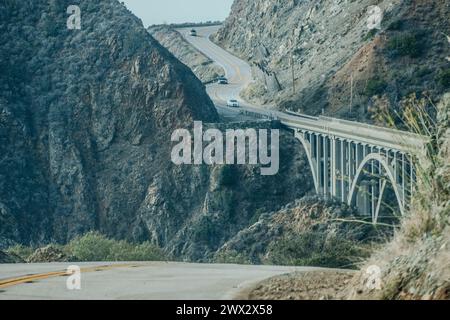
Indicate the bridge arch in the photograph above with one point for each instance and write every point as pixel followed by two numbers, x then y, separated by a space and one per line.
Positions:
pixel 389 173
pixel 312 164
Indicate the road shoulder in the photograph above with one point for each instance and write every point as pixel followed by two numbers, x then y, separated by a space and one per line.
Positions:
pixel 311 285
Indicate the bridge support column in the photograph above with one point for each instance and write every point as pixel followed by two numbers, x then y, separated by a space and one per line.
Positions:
pixel 326 167
pixel 321 162
pixel 412 181
pixel 351 162
pixel 317 160
pixel 403 175
pixel 334 157
pixel 363 199
pixel 343 170
pixel 372 182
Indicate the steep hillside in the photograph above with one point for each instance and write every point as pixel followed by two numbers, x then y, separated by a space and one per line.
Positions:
pixel 340 66
pixel 203 67
pixel 85 118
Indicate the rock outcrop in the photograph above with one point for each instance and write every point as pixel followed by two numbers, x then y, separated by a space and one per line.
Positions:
pixel 48 254
pixel 85 118
pixel 9 258
pixel 306 232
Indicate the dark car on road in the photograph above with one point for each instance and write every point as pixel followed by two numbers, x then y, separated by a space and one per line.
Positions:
pixel 222 80
pixel 233 103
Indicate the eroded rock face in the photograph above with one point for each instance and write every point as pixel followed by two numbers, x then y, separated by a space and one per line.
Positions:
pixel 48 254
pixel 86 118
pixel 194 210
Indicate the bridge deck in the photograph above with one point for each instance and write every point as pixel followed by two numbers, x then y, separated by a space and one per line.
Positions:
pixel 355 131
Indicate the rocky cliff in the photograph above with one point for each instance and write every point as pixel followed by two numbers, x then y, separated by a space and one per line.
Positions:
pixel 85 118
pixel 348 58
pixel 85 123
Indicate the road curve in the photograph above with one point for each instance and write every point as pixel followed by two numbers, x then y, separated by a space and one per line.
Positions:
pixel 133 281
pixel 237 71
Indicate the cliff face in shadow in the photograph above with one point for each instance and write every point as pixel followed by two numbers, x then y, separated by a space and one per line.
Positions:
pixel 85 118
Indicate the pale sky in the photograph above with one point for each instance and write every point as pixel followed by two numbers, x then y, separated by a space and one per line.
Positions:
pixel 178 11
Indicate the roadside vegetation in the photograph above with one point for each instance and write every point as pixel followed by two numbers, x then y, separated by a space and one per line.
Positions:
pixel 92 246
pixel 309 232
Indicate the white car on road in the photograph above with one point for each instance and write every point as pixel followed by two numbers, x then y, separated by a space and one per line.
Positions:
pixel 233 103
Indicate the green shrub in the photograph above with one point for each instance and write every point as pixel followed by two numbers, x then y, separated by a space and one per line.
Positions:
pixel 228 176
pixel 406 44
pixel 370 35
pixel 396 25
pixel 422 72
pixel 148 252
pixel 375 87
pixel 19 250
pixel 94 246
pixel 124 251
pixel 444 78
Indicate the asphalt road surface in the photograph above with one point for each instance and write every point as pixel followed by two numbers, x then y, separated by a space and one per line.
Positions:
pixel 237 71
pixel 133 281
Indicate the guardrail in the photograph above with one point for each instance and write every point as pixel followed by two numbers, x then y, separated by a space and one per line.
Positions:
pixel 258 115
pixel 365 133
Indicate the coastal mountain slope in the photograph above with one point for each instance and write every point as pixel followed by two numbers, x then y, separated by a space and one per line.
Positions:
pixel 85 118
pixel 348 58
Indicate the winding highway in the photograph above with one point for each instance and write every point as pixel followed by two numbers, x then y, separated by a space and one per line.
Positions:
pixel 133 281
pixel 239 74
pixel 237 71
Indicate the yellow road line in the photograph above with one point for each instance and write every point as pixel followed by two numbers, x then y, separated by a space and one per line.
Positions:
pixel 40 276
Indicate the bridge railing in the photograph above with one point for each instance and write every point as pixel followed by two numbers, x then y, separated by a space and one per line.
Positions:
pixel 259 115
pixel 365 133
pixel 369 126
